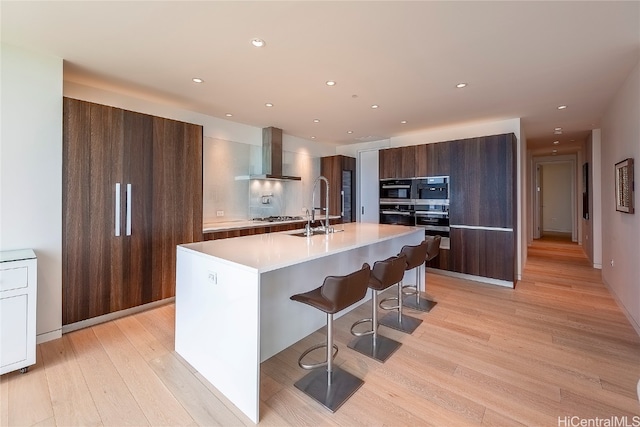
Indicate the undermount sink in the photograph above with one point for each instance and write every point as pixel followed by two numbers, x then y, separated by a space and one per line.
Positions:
pixel 304 233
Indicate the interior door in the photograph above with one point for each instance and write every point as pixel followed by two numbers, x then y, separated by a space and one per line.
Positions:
pixel 369 187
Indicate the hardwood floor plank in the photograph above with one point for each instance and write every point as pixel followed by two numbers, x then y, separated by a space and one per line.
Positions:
pixel 156 401
pixel 494 419
pixel 144 341
pixel 112 398
pixel 29 395
pixel 203 406
pixel 70 396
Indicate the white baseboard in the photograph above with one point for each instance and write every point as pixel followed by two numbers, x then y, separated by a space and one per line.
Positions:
pixel 631 320
pixel 49 336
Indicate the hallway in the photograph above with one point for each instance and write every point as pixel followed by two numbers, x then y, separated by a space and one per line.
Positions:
pixel 557 346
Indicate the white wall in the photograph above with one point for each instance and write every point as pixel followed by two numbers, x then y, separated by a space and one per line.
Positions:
pixel 557 180
pixel 620 139
pixel 31 173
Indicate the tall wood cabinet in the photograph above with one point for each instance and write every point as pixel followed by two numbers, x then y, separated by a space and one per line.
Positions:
pixel 341 173
pixel 483 206
pixel 132 191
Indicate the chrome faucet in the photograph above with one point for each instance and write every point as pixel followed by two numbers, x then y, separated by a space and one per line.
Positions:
pixel 326 227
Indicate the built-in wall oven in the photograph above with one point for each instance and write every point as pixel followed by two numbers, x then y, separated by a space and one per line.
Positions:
pixel 434 218
pixel 400 214
pixel 431 204
pixel 430 188
pixel 395 190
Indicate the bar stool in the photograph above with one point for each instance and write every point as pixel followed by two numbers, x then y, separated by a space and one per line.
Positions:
pixel 399 321
pixel 332 387
pixel 416 256
pixel 383 275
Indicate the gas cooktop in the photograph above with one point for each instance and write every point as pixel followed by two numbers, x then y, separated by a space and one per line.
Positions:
pixel 278 218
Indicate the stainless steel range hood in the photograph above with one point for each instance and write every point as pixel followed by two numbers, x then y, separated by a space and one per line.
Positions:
pixel 272 156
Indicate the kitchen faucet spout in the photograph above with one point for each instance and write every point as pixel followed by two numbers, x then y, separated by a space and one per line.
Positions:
pixel 327 229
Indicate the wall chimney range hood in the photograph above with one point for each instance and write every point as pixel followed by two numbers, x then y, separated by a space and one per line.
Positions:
pixel 272 156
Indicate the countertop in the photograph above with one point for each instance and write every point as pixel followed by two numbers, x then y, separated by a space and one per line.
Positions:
pixel 239 224
pixel 271 251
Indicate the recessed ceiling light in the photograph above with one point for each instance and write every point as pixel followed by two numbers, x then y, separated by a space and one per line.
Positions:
pixel 268 104
pixel 349 131
pixel 557 132
pixel 197 80
pixel 404 122
pixel 313 137
pixel 556 142
pixel 562 107
pixel 316 120
pixel 374 106
pixel 461 85
pixel 558 129
pixel 554 151
pixel 331 83
pixel 229 115
pixel 257 42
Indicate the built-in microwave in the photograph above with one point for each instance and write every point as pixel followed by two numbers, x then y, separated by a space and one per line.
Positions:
pixel 395 191
pixel 433 188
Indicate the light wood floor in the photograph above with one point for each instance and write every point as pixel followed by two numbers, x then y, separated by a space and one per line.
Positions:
pixel 556 346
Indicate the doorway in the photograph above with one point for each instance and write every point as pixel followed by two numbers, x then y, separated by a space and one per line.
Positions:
pixel 555 208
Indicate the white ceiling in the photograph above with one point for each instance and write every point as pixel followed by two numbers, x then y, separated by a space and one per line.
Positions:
pixel 520 59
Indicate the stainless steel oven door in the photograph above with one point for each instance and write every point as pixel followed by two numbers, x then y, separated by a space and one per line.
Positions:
pixel 392 190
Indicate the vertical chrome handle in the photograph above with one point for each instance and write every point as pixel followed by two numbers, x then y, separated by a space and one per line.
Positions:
pixel 117 203
pixel 342 206
pixel 128 220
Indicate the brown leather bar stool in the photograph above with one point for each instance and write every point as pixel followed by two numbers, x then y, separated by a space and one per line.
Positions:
pixel 400 321
pixel 332 387
pixel 383 275
pixel 416 256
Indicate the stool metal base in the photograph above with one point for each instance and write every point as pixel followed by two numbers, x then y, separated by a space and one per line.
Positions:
pixel 379 348
pixel 422 304
pixel 404 324
pixel 333 395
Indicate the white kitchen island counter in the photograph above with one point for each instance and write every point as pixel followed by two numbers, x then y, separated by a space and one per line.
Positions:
pixel 232 297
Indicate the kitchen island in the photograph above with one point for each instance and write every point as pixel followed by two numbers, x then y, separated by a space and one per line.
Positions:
pixel 232 297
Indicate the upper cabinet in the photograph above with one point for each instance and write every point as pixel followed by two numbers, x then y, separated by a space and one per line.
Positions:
pixel 482 181
pixel 399 162
pixel 432 159
pixel 132 191
pixel 341 173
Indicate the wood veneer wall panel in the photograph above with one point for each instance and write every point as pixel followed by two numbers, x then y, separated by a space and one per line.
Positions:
pixel 76 212
pixel 137 260
pixel 483 253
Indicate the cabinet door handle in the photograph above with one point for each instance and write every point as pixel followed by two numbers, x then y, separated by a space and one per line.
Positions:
pixel 128 220
pixel 117 203
pixel 342 207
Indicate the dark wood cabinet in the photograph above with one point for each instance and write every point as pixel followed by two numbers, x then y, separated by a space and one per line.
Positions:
pixel 158 165
pixel 397 162
pixel 432 159
pixel 486 253
pixel 482 181
pixel 341 173
pixel 483 206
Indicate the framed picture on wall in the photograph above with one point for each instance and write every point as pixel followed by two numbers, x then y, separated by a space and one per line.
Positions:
pixel 624 186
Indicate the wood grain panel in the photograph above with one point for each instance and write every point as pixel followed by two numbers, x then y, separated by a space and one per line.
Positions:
pixel 76 208
pixel 483 253
pixel 332 167
pixel 162 160
pixel 137 281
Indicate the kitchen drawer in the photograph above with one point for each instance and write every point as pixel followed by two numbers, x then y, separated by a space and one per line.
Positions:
pixel 14 278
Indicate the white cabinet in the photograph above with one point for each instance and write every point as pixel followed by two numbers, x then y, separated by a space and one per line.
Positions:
pixel 18 289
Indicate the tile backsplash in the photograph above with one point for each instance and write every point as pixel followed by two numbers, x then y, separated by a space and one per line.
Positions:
pixel 238 199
